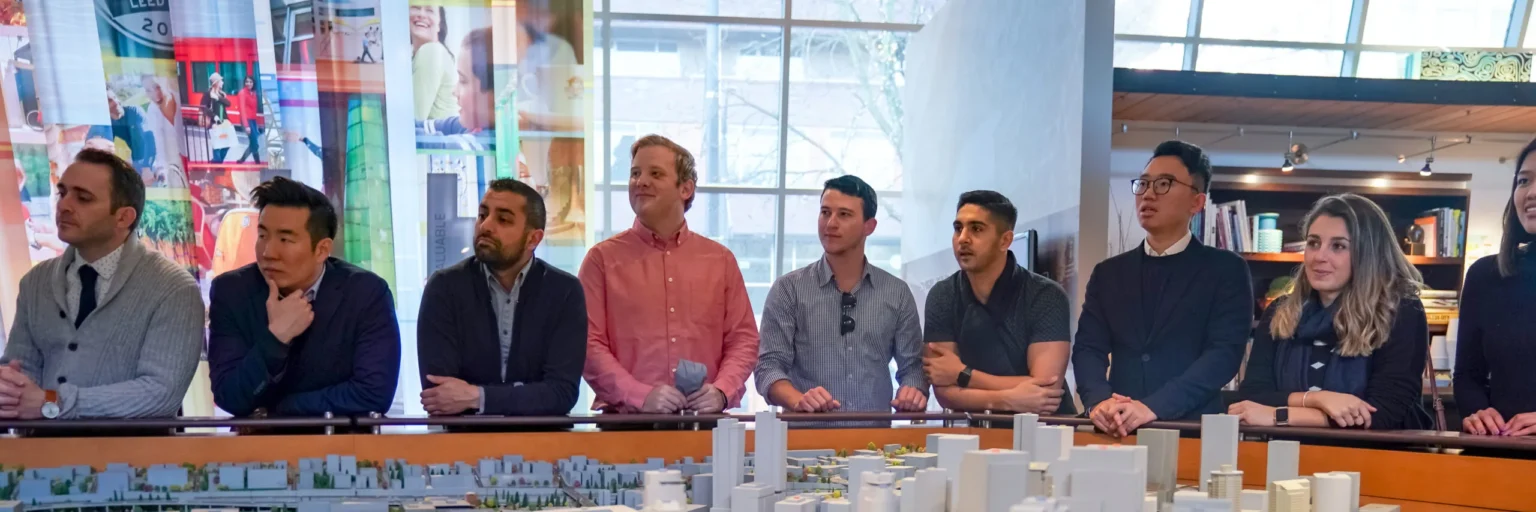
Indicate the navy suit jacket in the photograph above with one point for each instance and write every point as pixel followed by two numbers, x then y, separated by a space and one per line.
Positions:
pixel 1193 347
pixel 456 337
pixel 347 362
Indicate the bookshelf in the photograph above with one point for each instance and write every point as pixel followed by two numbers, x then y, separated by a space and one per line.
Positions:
pixel 1403 196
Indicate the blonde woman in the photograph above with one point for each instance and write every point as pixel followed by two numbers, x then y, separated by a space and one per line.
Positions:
pixel 1346 347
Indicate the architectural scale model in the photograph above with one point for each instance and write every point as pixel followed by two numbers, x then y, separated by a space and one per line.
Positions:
pixel 1042 473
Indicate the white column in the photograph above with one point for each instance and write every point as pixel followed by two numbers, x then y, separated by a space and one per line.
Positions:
pixel 799 503
pixel 727 464
pixel 1218 445
pixel 932 490
pixel 770 454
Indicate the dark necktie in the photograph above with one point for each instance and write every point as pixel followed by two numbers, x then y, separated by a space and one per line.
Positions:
pixel 87 294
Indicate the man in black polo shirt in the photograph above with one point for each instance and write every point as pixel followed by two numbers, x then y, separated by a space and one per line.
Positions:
pixel 997 333
pixel 1173 313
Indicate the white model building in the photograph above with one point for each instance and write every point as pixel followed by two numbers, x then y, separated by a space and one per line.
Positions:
pixel 952 450
pixel 1330 492
pixel 876 493
pixel 1227 484
pixel 858 466
pixel 729 438
pixel 1024 426
pixel 771 452
pixel 989 480
pixel 1162 462
pixel 1284 461
pixel 1218 445
pixel 931 490
pixel 753 497
pixel 1111 477
pixel 664 491
pixel 1037 504
pixel 1290 496
pixel 798 503
pixel 1196 501
pixel 1052 443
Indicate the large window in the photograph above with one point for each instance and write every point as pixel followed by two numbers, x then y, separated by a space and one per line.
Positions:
pixel 771 103
pixel 1349 38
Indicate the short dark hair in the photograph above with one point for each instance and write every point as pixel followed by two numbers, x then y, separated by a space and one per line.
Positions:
pixel 1192 157
pixel 998 205
pixel 853 186
pixel 686 167
pixel 533 203
pixel 127 186
pixel 478 41
pixel 280 191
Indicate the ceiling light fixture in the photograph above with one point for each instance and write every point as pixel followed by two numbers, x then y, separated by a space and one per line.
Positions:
pixel 1426 171
pixel 1295 154
pixel 1288 166
pixel 1402 158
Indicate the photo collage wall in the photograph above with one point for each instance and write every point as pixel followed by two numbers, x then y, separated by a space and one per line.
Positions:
pixel 209 98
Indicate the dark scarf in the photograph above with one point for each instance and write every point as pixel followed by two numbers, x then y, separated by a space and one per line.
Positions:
pixel 1293 357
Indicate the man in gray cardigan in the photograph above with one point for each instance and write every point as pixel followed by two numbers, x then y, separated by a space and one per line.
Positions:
pixel 109 329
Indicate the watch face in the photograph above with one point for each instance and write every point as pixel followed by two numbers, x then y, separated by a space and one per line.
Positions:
pixel 50 410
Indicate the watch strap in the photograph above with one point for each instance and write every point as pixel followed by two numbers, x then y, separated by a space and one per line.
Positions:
pixel 964 379
pixel 50 395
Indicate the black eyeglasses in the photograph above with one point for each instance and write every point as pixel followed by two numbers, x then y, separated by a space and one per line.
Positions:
pixel 1160 185
pixel 849 301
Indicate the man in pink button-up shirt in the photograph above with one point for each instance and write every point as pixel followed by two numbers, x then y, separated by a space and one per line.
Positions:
pixel 657 294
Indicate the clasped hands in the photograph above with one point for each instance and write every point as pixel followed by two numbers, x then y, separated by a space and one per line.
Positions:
pixel 20 398
pixel 1119 416
pixel 664 399
pixel 1488 422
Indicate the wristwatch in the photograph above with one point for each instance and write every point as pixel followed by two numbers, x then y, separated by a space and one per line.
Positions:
pixel 51 404
pixel 964 379
pixel 1282 416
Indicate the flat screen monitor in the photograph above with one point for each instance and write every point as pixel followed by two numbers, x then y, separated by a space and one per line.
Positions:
pixel 1026 244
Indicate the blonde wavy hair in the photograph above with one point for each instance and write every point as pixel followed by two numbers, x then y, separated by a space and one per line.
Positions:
pixel 1380 278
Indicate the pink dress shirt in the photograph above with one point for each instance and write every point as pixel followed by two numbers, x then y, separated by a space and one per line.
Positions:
pixel 652 302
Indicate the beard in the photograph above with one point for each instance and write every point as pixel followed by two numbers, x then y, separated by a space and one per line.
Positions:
pixel 497 255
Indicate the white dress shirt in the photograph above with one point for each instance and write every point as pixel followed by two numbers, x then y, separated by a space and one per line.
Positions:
pixel 1176 248
pixel 105 267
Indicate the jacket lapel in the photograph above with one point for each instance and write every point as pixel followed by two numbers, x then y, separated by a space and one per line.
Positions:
pixel 476 350
pixel 522 323
pixel 328 298
pixel 61 278
pixel 1132 307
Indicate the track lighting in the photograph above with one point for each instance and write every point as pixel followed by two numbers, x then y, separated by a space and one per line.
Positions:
pixel 1287 166
pixel 1426 171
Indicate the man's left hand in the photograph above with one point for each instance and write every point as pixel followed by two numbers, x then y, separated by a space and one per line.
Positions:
pixel 1132 415
pixel 1523 424
pixel 909 399
pixel 942 366
pixel 450 396
pixel 20 398
pixel 708 399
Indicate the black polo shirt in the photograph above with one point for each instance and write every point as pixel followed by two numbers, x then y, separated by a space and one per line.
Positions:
pixel 1024 308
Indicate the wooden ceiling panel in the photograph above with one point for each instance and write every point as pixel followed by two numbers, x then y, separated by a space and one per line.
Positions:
pixel 1185 108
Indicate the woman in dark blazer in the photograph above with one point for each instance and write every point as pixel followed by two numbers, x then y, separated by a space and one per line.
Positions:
pixel 1346 346
pixel 1496 343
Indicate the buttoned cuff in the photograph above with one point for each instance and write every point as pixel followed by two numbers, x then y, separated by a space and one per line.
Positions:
pixel 480 408
pixel 634 395
pixel 69 397
pixel 732 394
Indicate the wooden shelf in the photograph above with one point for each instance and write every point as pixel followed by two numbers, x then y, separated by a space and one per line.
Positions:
pixel 1296 257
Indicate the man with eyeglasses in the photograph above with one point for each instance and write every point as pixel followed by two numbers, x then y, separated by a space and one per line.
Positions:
pixel 997 333
pixel 1173 313
pixel 830 329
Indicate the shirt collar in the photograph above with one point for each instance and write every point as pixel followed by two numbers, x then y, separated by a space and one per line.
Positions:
pixel 104 266
pixel 654 240
pixel 1176 248
pixel 314 289
pixel 490 276
pixel 822 270
pixel 1005 283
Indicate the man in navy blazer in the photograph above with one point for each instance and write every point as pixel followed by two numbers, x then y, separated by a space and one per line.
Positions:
pixel 502 332
pixel 1174 314
pixel 300 333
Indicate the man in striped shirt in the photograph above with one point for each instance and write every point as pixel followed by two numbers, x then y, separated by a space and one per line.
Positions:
pixel 831 329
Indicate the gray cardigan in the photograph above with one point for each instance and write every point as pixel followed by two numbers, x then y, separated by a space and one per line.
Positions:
pixel 131 358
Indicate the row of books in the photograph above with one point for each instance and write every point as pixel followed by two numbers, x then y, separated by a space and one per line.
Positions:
pixel 1225 226
pixel 1440 306
pixel 1445 232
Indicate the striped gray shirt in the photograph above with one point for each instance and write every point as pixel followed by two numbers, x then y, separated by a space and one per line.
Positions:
pixel 802 340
